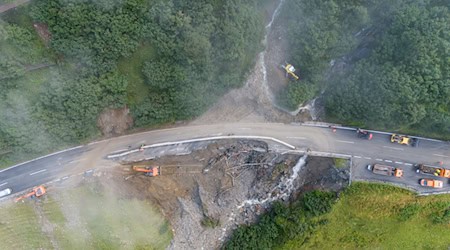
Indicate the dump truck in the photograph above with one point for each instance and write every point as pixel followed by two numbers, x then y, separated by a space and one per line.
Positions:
pixel 385 170
pixel 438 172
pixel 35 192
pixel 431 183
pixel 148 170
pixel 404 140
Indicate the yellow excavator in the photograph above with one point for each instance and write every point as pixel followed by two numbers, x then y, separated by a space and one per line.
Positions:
pixel 290 71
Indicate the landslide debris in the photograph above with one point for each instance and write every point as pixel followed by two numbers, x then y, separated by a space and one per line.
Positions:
pixel 208 193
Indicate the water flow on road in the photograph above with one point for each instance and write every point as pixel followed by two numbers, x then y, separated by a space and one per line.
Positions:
pixel 282 190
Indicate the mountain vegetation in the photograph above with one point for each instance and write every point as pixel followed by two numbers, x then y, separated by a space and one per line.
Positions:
pixel 194 52
pixel 381 64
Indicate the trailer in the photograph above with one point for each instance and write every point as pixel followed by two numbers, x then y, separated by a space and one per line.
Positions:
pixel 435 171
pixel 385 170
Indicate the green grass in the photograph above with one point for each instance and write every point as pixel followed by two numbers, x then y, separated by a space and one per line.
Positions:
pixel 383 217
pixel 340 163
pixel 85 217
pixel 131 67
pixel 113 223
pixel 20 229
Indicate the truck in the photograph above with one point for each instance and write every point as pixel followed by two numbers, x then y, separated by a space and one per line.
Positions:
pixel 385 170
pixel 436 171
pixel 431 183
pixel 404 140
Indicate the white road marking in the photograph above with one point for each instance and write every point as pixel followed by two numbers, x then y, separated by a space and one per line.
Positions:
pixel 218 134
pixel 387 160
pixel 441 155
pixel 379 159
pixel 3 184
pixel 296 137
pixel 408 164
pixel 37 172
pixel 120 150
pixel 245 128
pixel 65 178
pixel 367 158
pixel 345 141
pixel 399 162
pixel 401 149
pixel 356 156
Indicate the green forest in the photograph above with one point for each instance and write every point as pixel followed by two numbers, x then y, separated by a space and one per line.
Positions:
pixel 375 64
pixel 164 60
pixel 395 72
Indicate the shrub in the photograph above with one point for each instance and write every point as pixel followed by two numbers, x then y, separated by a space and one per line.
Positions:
pixel 408 211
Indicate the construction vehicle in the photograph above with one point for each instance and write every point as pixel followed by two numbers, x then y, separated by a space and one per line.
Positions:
pixel 364 134
pixel 404 140
pixel 431 183
pixel 385 170
pixel 438 172
pixel 290 71
pixel 148 170
pixel 36 192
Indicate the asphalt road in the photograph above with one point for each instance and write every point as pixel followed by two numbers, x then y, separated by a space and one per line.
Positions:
pixel 378 150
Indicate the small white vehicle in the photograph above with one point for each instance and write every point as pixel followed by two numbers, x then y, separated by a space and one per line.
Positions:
pixel 5 192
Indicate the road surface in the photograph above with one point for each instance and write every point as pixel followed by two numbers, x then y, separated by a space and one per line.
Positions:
pixel 378 150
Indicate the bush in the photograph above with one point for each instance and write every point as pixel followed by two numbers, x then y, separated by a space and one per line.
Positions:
pixel 408 211
pixel 318 202
pixel 283 223
pixel 210 222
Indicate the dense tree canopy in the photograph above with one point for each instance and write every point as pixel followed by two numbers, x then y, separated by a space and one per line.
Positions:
pixel 198 50
pixel 405 82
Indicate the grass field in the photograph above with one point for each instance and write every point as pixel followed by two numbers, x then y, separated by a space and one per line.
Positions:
pixel 383 217
pixel 20 229
pixel 84 217
pixel 131 67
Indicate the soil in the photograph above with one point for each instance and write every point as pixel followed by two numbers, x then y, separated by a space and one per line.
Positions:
pixel 43 32
pixel 208 193
pixel 113 122
pixel 255 101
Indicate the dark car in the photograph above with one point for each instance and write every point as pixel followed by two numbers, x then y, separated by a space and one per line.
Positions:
pixel 364 134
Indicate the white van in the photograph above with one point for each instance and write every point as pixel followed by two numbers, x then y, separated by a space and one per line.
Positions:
pixel 5 192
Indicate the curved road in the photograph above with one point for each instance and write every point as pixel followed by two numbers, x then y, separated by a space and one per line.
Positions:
pixel 56 166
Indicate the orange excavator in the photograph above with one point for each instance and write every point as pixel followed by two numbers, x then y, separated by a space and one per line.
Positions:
pixel 149 171
pixel 36 192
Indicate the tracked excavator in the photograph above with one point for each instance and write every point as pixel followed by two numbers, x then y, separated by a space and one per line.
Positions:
pixel 36 192
pixel 148 170
pixel 290 71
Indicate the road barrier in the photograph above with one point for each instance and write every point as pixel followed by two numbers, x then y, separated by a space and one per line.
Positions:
pixel 200 140
pixel 339 126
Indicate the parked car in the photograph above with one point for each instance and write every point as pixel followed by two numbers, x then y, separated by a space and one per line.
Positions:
pixel 5 192
pixel 364 134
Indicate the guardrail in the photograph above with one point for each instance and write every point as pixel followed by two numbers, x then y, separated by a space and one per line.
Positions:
pixel 199 140
pixel 339 126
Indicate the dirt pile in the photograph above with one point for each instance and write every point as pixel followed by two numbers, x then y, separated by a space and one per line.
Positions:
pixel 208 193
pixel 115 121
